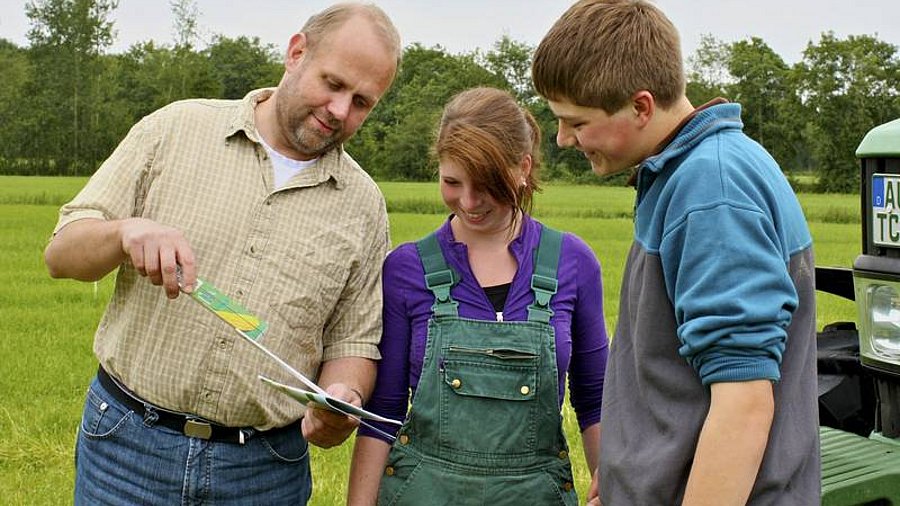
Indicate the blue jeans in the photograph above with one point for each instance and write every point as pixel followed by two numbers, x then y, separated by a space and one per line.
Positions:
pixel 120 459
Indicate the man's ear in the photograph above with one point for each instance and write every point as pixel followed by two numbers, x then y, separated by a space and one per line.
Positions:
pixel 297 49
pixel 644 106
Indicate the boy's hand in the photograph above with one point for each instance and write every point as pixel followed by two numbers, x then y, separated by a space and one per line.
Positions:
pixel 593 494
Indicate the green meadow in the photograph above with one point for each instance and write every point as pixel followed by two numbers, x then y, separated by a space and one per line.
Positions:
pixel 47 325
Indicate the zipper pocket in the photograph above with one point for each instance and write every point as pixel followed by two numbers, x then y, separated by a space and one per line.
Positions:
pixel 501 353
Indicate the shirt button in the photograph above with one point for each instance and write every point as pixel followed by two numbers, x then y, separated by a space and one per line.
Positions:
pixel 456 383
pixel 563 454
pixel 404 439
pixel 253 249
pixel 239 292
pixel 389 471
pixel 223 344
pixel 524 389
pixel 567 486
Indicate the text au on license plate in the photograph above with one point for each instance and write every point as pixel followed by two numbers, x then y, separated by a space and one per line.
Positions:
pixel 886 209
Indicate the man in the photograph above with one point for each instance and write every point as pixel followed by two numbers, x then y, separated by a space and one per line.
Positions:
pixel 710 391
pixel 257 197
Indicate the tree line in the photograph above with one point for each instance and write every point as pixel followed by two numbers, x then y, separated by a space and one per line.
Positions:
pixel 66 100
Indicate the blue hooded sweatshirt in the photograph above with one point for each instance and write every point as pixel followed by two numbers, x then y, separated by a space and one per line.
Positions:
pixel 718 287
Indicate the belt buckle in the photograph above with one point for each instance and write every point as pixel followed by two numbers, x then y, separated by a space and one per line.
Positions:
pixel 198 429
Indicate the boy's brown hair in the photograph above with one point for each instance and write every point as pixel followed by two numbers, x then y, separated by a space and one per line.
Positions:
pixel 600 52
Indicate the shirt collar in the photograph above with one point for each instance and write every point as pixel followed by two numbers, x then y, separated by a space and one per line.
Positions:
pixel 632 180
pixel 527 239
pixel 330 165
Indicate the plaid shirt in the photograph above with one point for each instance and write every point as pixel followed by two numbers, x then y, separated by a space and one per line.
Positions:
pixel 306 258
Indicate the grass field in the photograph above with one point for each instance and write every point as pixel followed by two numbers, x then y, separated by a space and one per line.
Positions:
pixel 47 325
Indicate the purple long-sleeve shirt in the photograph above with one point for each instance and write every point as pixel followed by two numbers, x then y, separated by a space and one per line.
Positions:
pixel 580 329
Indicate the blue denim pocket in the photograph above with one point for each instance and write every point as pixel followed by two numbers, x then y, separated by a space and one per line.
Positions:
pixel 103 418
pixel 287 446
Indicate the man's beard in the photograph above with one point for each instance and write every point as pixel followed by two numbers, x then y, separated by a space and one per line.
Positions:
pixel 307 140
pixel 312 144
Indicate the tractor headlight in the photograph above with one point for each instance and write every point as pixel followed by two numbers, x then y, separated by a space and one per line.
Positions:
pixel 878 303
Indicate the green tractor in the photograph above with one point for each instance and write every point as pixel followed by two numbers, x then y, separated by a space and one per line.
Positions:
pixel 859 363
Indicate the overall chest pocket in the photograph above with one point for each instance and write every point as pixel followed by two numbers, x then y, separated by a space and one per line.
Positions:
pixel 487 400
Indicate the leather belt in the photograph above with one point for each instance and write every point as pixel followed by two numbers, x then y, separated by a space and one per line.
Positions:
pixel 190 426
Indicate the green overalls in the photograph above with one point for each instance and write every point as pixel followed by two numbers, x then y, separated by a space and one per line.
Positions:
pixel 485 426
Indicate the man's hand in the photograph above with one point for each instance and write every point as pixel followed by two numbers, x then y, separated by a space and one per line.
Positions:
pixel 89 249
pixel 156 251
pixel 325 428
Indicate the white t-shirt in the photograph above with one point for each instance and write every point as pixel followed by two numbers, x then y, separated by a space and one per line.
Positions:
pixel 285 168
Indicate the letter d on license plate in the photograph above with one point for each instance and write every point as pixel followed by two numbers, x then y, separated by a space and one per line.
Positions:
pixel 886 209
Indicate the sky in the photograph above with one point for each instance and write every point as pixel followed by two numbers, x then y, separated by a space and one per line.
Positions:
pixel 787 26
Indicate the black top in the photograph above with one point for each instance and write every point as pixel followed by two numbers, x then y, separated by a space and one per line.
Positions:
pixel 497 295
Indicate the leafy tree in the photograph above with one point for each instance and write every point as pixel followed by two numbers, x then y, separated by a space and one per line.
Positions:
pixel 511 60
pixel 67 39
pixel 243 64
pixel 849 86
pixel 153 76
pixel 184 24
pixel 762 84
pixel 191 74
pixel 13 105
pixel 396 140
pixel 707 70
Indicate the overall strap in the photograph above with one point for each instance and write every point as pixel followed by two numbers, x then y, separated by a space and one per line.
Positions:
pixel 543 281
pixel 439 278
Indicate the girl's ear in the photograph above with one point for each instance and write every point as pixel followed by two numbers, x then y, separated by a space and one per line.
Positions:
pixel 526 167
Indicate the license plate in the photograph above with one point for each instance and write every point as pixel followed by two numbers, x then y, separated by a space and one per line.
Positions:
pixel 886 209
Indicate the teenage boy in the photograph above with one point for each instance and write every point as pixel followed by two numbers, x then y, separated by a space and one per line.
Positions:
pixel 710 393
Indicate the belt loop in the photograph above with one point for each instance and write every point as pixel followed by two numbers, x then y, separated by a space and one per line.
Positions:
pixel 150 416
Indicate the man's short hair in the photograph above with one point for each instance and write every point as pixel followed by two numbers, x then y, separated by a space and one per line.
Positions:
pixel 601 52
pixel 319 25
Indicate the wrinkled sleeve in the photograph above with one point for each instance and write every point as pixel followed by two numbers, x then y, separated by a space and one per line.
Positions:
pixel 354 328
pixel 733 296
pixel 590 344
pixel 117 189
pixel 391 395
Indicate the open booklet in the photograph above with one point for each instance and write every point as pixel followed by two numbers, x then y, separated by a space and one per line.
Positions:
pixel 326 401
pixel 252 329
